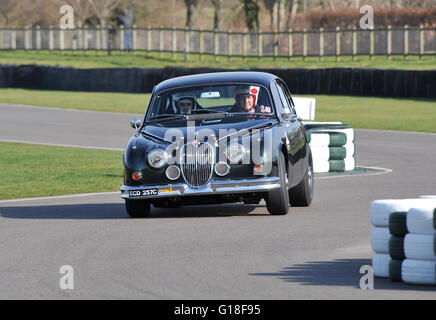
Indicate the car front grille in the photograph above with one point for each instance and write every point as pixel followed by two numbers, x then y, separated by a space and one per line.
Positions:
pixel 196 163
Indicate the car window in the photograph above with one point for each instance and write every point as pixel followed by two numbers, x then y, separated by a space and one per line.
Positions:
pixel 283 99
pixel 230 98
pixel 289 98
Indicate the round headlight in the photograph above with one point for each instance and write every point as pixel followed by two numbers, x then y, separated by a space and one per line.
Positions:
pixel 235 152
pixel 157 158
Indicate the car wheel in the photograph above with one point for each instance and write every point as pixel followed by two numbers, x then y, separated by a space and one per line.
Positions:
pixel 138 208
pixel 302 194
pixel 277 201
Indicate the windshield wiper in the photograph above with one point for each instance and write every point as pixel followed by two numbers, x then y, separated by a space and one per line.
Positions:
pixel 252 114
pixel 167 117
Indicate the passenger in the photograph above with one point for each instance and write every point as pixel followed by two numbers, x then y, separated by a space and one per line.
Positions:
pixel 185 103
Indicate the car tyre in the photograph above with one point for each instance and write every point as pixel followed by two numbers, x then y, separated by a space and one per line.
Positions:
pixel 138 208
pixel 302 194
pixel 277 201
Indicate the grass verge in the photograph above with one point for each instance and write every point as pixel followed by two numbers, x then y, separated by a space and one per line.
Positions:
pixel 101 59
pixel 35 171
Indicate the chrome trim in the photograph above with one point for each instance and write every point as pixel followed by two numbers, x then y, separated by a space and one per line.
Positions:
pixel 214 187
pixel 221 163
pixel 197 167
pixel 178 174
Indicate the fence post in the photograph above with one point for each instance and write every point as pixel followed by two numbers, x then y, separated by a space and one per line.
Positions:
pixel 372 44
pixel 1 38
pixel 354 43
pixel 61 39
pixel 160 41
pixel 321 44
pixel 244 46
pixel 26 38
pixel 85 39
pixel 290 44
pixel 201 44
pixel 121 30
pixel 174 42
pixel 185 46
pixel 98 39
pixel 406 42
pixel 216 44
pixel 338 44
pixel 421 42
pixel 276 44
pixel 260 44
pixel 229 39
pixel 13 39
pixel 148 40
pixel 304 44
pixel 38 38
pixel 134 39
pixel 389 44
pixel 50 38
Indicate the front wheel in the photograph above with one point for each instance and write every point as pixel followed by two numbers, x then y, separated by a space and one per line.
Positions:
pixel 138 208
pixel 277 201
pixel 302 194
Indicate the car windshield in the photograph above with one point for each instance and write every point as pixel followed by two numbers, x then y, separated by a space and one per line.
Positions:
pixel 235 99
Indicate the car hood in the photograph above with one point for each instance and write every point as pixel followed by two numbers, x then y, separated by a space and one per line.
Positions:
pixel 231 125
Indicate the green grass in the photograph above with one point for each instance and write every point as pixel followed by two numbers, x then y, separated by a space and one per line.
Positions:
pixel 94 59
pixel 359 112
pixel 34 171
pixel 98 101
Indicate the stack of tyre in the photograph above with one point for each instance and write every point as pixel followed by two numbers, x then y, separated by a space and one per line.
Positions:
pixel 404 239
pixel 332 146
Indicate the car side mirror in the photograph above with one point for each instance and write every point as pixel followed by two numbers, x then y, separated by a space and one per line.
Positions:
pixel 135 123
pixel 286 114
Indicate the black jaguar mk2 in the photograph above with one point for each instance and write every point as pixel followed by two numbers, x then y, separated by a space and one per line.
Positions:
pixel 218 138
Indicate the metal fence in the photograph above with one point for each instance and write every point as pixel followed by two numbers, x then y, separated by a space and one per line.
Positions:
pixel 320 43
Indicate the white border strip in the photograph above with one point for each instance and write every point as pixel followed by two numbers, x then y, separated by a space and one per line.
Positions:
pixel 81 195
pixel 383 171
pixel 59 145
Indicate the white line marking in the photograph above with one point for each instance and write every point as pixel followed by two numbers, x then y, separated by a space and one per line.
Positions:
pixel 61 197
pixel 383 171
pixel 59 145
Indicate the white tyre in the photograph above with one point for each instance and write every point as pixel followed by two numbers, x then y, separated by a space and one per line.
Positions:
pixel 321 166
pixel 320 140
pixel 380 210
pixel 380 240
pixel 350 164
pixel 380 264
pixel 420 246
pixel 418 272
pixel 421 220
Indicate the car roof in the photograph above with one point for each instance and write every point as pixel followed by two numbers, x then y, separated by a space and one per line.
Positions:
pixel 261 78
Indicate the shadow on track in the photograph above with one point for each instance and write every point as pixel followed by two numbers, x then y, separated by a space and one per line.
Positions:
pixel 117 211
pixel 341 272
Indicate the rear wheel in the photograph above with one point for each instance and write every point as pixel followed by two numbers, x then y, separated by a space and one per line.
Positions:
pixel 277 201
pixel 302 194
pixel 138 208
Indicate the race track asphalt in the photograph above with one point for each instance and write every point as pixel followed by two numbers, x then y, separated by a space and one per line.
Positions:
pixel 206 252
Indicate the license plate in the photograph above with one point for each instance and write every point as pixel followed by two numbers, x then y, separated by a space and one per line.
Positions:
pixel 143 193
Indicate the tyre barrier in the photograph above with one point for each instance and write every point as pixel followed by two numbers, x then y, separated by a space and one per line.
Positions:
pixel 403 239
pixel 332 145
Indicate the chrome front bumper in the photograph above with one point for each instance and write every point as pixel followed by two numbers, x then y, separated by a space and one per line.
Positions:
pixel 214 187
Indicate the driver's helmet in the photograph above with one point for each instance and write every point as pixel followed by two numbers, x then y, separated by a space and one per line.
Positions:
pixel 242 91
pixel 184 102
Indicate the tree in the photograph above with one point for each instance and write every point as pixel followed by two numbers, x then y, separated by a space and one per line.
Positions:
pixel 216 13
pixel 190 7
pixel 82 11
pixel 6 7
pixel 103 10
pixel 270 5
pixel 251 9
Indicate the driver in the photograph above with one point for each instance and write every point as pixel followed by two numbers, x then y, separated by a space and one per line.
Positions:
pixel 185 103
pixel 245 101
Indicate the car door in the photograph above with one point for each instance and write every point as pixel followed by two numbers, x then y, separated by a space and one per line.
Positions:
pixel 291 127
